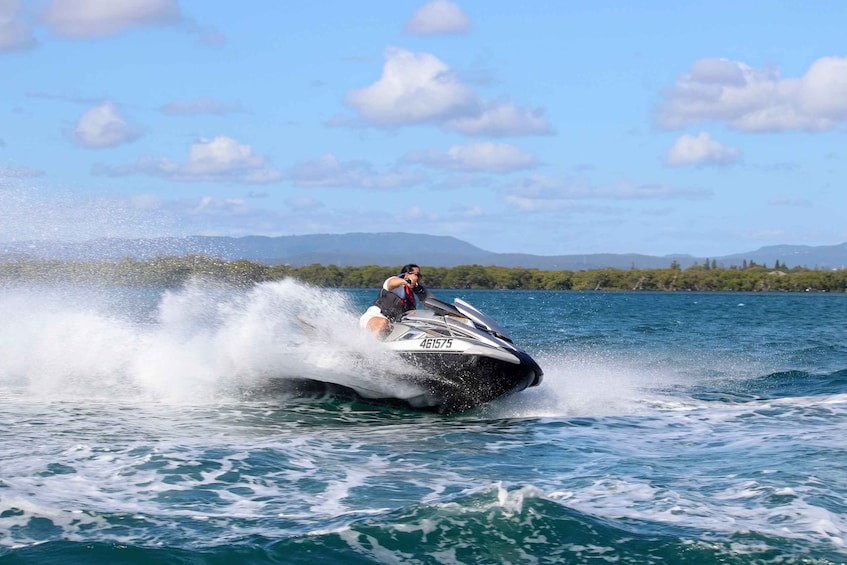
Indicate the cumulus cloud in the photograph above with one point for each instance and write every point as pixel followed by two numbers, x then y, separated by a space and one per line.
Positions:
pixel 15 34
pixel 700 150
pixel 823 89
pixel 328 171
pixel 103 126
pixel 418 88
pixel 221 159
pixel 438 17
pixel 749 99
pixel 477 157
pixel 414 88
pixel 83 19
pixel 200 106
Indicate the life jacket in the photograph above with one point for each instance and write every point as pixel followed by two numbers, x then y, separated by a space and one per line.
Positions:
pixel 392 306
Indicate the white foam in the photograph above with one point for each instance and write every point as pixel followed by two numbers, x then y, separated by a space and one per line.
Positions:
pixel 195 344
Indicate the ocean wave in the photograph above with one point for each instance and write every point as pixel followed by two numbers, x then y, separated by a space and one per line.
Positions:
pixel 491 525
pixel 777 385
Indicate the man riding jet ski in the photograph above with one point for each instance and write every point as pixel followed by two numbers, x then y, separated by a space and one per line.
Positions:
pixel 463 357
pixel 452 357
pixel 396 297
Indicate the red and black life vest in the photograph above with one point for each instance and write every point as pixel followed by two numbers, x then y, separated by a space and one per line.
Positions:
pixel 392 306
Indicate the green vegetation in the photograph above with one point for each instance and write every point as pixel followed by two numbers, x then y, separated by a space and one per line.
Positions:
pixel 174 271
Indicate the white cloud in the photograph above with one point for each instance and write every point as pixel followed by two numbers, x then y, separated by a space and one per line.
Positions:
pixel 472 212
pixel 199 106
pixel 303 204
pixel 221 159
pixel 414 88
pixel 477 157
pixel 749 99
pixel 15 34
pixel 700 150
pixel 221 154
pixel 98 18
pixel 328 171
pixel 215 215
pixel 533 191
pixel 823 89
pixel 438 17
pixel 103 126
pixel 501 120
pixel 634 191
pixel 418 88
pixel 213 206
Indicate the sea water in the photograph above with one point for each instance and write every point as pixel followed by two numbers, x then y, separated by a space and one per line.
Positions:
pixel 670 428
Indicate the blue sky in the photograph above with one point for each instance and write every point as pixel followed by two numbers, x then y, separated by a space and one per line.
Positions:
pixel 548 127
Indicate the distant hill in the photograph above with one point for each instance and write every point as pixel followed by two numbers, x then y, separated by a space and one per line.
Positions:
pixel 393 249
pixel 821 256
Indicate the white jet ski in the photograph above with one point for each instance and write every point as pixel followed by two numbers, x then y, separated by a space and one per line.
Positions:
pixel 459 359
pixel 464 358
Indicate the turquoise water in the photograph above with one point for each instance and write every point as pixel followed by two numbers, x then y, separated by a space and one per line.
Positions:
pixel 670 428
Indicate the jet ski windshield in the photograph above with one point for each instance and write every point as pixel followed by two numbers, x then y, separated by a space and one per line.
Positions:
pixel 441 308
pixel 462 309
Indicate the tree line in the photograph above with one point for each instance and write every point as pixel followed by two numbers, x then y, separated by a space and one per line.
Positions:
pixel 172 272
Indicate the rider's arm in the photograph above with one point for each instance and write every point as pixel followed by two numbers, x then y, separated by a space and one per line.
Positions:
pixel 396 282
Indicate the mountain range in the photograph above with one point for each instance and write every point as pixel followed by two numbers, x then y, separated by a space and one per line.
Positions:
pixel 395 249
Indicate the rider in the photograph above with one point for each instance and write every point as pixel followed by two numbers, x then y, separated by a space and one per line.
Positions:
pixel 396 297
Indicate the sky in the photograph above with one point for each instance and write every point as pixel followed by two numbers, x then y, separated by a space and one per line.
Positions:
pixel 550 128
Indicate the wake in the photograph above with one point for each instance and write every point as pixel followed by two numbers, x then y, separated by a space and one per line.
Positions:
pixel 203 342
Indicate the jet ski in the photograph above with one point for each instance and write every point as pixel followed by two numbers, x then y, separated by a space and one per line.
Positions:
pixel 464 358
pixel 458 358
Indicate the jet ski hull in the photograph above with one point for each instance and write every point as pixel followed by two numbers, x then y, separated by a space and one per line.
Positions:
pixel 455 383
pixel 441 383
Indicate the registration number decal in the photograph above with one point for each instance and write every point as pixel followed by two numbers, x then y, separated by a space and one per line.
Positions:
pixel 437 343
